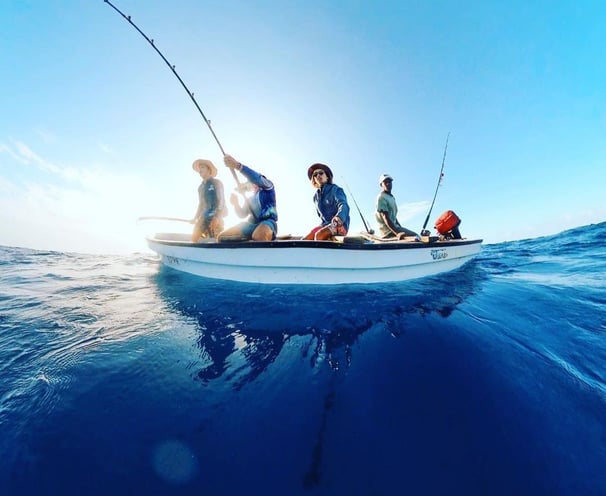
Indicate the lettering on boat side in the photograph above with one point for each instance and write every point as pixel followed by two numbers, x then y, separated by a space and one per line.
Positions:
pixel 439 254
pixel 171 260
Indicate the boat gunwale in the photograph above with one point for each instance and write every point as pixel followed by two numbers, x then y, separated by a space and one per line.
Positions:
pixel 307 244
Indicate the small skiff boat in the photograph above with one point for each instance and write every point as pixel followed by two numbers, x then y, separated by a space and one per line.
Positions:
pixel 349 260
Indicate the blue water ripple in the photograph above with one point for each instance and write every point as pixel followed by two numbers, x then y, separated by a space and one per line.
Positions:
pixel 122 376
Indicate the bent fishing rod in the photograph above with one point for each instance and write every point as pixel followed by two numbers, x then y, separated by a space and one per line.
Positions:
pixel 423 231
pixel 368 230
pixel 172 68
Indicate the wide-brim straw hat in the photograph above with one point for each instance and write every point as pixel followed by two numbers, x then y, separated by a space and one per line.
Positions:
pixel 323 167
pixel 207 163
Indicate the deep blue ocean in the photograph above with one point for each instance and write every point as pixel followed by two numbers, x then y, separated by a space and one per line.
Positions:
pixel 120 376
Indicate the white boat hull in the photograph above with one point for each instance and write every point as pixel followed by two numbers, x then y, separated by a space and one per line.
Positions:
pixel 312 262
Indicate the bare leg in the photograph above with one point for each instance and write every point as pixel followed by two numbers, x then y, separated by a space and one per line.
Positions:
pixel 408 232
pixel 215 227
pixel 262 233
pixel 197 233
pixel 323 234
pixel 231 234
pixel 311 235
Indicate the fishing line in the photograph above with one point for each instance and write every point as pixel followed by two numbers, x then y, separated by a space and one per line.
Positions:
pixel 423 231
pixel 172 68
pixel 368 230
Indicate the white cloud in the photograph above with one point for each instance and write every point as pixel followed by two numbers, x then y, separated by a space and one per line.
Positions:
pixel 87 209
pixel 46 136
pixel 14 155
pixel 408 211
pixel 29 156
pixel 106 149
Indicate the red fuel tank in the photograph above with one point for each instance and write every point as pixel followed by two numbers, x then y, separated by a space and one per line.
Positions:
pixel 447 222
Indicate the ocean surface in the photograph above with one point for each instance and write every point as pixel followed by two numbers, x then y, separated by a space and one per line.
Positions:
pixel 120 376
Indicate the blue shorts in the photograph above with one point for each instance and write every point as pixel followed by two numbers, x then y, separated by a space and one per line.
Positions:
pixel 247 228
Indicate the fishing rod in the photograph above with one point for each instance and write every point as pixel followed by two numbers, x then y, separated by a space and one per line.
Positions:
pixel 175 219
pixel 172 68
pixel 368 230
pixel 423 231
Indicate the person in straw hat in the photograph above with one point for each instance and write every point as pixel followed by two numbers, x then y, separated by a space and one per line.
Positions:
pixel 261 222
pixel 331 205
pixel 386 211
pixel 208 219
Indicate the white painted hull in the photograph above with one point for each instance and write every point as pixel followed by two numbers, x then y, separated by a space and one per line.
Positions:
pixel 309 262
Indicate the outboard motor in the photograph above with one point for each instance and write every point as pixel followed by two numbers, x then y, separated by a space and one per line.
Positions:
pixel 448 225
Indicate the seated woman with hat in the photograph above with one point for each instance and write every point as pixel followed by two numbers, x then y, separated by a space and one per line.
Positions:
pixel 331 205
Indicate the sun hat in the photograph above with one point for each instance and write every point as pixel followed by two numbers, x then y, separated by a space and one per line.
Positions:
pixel 383 177
pixel 207 163
pixel 323 167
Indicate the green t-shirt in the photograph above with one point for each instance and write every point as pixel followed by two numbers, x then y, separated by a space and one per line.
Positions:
pixel 386 203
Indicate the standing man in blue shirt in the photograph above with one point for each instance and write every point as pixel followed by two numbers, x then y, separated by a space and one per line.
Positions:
pixel 208 219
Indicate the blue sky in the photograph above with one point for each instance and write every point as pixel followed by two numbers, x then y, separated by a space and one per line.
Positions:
pixel 96 130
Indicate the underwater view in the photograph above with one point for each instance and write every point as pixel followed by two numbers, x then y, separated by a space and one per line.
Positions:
pixel 120 375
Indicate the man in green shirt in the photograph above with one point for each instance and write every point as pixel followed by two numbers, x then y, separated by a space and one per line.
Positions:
pixel 386 211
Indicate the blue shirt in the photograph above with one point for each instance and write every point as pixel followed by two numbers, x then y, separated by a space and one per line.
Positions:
pixel 330 201
pixel 211 202
pixel 263 205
